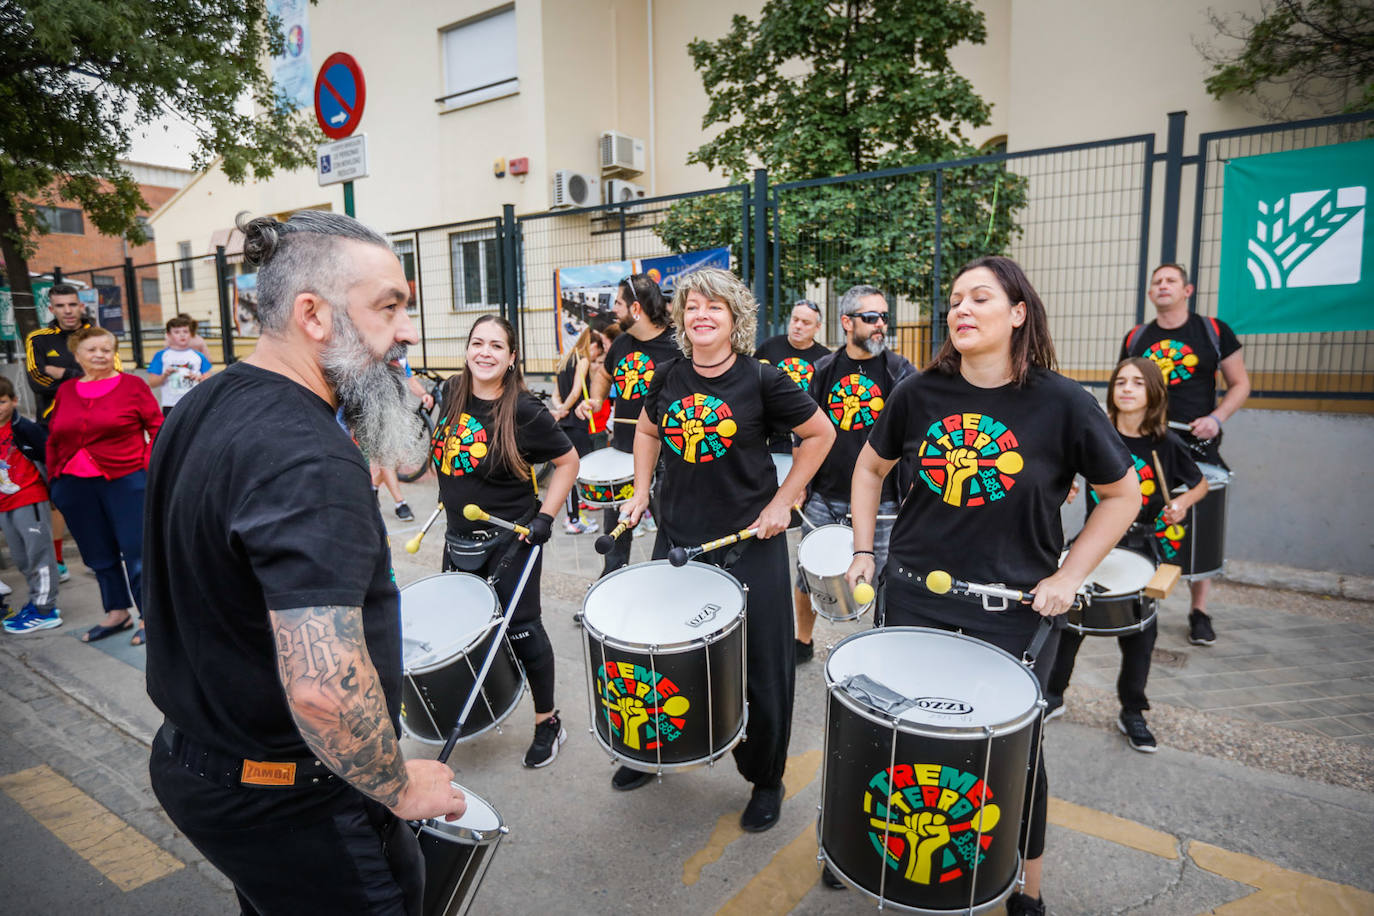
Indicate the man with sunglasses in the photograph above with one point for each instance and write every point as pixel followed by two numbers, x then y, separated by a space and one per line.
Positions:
pixel 795 353
pixel 851 385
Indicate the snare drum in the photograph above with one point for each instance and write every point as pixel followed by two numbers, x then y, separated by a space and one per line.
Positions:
pixel 457 854
pixel 448 623
pixel 605 478
pixel 1202 552
pixel 822 559
pixel 664 648
pixel 783 465
pixel 1118 605
pixel 928 736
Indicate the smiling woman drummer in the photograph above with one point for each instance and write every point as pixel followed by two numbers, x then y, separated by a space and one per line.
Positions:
pixel 711 414
pixel 995 436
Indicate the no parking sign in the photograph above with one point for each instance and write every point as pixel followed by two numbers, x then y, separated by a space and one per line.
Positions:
pixel 340 93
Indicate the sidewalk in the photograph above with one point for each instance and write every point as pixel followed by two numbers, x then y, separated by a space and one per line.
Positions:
pixel 1263 785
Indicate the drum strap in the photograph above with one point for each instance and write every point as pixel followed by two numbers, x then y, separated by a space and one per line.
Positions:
pixel 878 695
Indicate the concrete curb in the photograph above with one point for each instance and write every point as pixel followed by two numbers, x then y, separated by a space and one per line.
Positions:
pixel 1317 582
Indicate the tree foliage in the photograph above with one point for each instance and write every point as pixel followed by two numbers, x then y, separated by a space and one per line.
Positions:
pixel 79 77
pixel 814 89
pixel 1317 54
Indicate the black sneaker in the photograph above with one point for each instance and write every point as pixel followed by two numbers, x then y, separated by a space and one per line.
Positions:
pixel 1055 709
pixel 829 880
pixel 403 512
pixel 1022 905
pixel 549 736
pixel 763 809
pixel 805 651
pixel 1200 632
pixel 1132 725
pixel 626 779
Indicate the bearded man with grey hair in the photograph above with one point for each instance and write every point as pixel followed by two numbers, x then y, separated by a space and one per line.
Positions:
pixel 851 385
pixel 275 649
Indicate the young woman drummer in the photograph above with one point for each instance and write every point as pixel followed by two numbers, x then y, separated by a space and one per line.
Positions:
pixel 1138 405
pixel 996 437
pixel 490 430
pixel 572 386
pixel 711 414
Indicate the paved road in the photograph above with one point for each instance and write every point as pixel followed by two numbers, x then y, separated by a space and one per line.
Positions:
pixel 1259 800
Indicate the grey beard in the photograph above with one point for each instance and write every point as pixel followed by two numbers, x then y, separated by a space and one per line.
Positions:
pixel 372 396
pixel 873 345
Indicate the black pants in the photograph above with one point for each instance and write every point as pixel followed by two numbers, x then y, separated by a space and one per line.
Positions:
pixel 290 851
pixel 770 628
pixel 526 632
pixel 1136 650
pixel 620 554
pixel 1034 812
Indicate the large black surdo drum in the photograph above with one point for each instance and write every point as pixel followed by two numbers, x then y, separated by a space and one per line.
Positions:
pixel 928 738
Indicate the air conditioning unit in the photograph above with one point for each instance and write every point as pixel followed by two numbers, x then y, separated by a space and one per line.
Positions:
pixel 621 154
pixel 620 191
pixel 573 189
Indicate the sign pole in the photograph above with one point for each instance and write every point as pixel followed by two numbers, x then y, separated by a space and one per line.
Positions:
pixel 348 198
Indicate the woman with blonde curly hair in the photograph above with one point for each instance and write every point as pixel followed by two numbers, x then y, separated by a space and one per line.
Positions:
pixel 711 414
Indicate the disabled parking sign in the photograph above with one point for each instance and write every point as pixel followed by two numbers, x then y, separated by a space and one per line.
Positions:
pixel 340 93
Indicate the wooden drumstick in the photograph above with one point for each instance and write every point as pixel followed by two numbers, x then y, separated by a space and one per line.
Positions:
pixel 591 424
pixel 474 513
pixel 604 543
pixel 1163 481
pixel 413 544
pixel 679 556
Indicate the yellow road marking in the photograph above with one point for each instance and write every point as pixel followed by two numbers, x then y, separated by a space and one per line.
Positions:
pixel 799 773
pixel 1279 890
pixel 88 828
pixel 1114 829
pixel 782 884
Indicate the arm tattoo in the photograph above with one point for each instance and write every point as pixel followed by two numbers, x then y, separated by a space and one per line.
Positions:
pixel 336 698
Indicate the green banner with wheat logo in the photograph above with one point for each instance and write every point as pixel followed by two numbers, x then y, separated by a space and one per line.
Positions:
pixel 1296 251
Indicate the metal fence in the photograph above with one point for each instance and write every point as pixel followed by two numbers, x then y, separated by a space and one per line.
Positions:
pixel 1338 366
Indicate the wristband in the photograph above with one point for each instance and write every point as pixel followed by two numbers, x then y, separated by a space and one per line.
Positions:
pixel 869 552
pixel 1215 419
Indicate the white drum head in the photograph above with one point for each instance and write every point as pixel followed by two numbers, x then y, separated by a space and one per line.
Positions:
pixel 605 465
pixel 1216 475
pixel 1121 572
pixel 480 821
pixel 955 681
pixel 783 465
pixel 827 551
pixel 656 604
pixel 443 615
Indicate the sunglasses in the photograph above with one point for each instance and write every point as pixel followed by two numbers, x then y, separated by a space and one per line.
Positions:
pixel 809 304
pixel 870 317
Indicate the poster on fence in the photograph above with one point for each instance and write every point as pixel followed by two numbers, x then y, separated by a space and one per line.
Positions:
pixel 586 293
pixel 1296 251
pixel 246 306
pixel 110 308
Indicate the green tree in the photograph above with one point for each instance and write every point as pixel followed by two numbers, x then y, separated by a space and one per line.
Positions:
pixel 79 77
pixel 814 89
pixel 1315 54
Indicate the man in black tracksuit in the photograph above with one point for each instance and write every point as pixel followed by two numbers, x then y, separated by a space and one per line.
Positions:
pixel 49 358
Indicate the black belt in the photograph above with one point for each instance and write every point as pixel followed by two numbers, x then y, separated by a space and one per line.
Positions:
pixel 239 772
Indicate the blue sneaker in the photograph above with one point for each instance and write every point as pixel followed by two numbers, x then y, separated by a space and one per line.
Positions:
pixel 62 574
pixel 29 620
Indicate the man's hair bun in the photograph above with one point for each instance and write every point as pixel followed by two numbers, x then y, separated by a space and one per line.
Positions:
pixel 261 237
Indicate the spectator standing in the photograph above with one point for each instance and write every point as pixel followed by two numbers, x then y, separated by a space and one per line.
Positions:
pixel 177 368
pixel 24 516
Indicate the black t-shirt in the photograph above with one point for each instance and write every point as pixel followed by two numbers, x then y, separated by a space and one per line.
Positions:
pixel 256 499
pixel 717 474
pixel 632 365
pixel 1189 361
pixel 799 364
pixel 1180 470
pixel 462 453
pixel 565 379
pixel 852 393
pixel 993 467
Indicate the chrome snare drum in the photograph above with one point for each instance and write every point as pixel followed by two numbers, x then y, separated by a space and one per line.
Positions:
pixel 605 478
pixel 1202 552
pixel 665 654
pixel 457 855
pixel 928 738
pixel 448 622
pixel 823 558
pixel 1118 605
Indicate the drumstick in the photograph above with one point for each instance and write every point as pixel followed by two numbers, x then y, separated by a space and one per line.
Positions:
pixel 591 424
pixel 604 543
pixel 1163 484
pixel 473 513
pixel 940 582
pixel 413 544
pixel 679 556
pixel 496 646
pixel 863 593
pixel 806 522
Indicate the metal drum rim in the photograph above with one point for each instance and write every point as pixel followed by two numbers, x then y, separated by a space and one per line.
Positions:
pixel 450 830
pixel 670 648
pixel 463 650
pixel 605 480
pixel 1011 726
pixel 998 900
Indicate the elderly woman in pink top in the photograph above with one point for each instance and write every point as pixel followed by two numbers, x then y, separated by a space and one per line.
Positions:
pixel 100 433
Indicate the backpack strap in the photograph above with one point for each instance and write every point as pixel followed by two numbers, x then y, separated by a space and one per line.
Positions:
pixel 1213 328
pixel 1133 336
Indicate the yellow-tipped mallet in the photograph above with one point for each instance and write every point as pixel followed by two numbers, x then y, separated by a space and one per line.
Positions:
pixel 863 593
pixel 939 582
pixel 413 544
pixel 474 513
